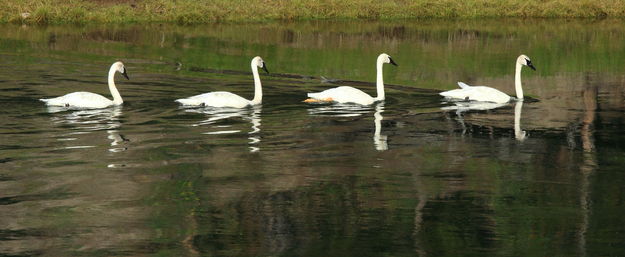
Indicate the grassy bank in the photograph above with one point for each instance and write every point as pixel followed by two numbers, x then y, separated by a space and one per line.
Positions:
pixel 206 11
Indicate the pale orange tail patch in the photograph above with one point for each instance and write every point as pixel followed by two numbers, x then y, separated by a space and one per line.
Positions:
pixel 312 100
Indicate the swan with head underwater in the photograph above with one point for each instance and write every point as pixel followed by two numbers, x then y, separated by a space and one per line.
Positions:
pixel 227 99
pixel 489 94
pixel 90 100
pixel 346 94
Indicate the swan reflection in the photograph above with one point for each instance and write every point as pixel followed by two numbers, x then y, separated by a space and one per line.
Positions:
pixel 461 107
pixel 465 106
pixel 380 141
pixel 354 110
pixel 217 115
pixel 339 110
pixel 117 141
pixel 87 121
pixel 518 133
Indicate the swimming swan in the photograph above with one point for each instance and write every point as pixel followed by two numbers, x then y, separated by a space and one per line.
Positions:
pixel 227 99
pixel 488 94
pixel 91 100
pixel 345 94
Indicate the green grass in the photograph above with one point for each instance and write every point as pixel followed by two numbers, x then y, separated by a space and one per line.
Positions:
pixel 209 11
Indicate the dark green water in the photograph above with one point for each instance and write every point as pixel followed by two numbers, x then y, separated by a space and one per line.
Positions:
pixel 401 178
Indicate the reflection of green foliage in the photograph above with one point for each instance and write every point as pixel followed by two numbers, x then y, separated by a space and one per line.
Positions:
pixel 175 200
pixel 431 54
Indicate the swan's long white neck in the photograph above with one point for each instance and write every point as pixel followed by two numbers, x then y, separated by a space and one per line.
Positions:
pixel 117 98
pixel 380 80
pixel 258 89
pixel 517 81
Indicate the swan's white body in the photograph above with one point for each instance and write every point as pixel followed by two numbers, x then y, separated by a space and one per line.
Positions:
pixel 345 94
pixel 488 94
pixel 216 99
pixel 227 99
pixel 477 93
pixel 90 100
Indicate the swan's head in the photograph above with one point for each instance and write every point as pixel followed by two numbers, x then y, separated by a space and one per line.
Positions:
pixel 524 60
pixel 260 63
pixel 119 66
pixel 385 58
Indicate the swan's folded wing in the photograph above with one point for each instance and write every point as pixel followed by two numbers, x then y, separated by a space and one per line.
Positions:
pixel 462 93
pixel 216 99
pixel 456 93
pixel 343 94
pixel 79 99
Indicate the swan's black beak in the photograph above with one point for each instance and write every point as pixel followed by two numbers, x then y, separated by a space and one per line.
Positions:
pixel 392 62
pixel 265 67
pixel 125 74
pixel 529 64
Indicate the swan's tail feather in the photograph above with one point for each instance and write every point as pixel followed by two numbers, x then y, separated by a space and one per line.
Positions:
pixel 313 95
pixel 446 93
pixel 187 101
pixel 50 101
pixel 53 102
pixel 451 93
pixel 463 85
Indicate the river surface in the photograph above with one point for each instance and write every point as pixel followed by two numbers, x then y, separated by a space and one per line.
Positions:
pixel 412 176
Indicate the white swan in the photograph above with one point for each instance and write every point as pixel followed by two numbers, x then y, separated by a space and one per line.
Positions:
pixel 488 94
pixel 227 99
pixel 91 100
pixel 345 94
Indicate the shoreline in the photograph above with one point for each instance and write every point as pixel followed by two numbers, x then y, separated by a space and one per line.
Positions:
pixel 225 11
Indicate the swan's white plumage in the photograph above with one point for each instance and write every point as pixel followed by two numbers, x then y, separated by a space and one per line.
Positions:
pixel 79 99
pixel 463 85
pixel 477 93
pixel 91 100
pixel 345 94
pixel 227 99
pixel 488 94
pixel 216 99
